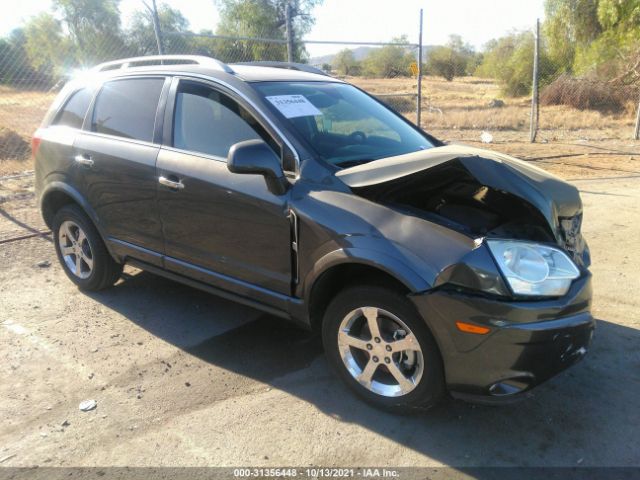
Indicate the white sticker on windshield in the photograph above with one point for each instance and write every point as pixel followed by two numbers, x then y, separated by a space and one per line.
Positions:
pixel 292 106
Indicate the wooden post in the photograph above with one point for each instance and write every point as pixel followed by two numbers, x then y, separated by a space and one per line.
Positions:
pixel 535 106
pixel 289 33
pixel 419 96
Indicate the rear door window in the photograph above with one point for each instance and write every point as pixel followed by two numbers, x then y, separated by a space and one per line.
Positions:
pixel 127 108
pixel 74 111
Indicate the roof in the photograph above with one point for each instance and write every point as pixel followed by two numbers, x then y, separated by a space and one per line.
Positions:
pixel 248 72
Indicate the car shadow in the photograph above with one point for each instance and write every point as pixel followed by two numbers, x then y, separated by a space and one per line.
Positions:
pixel 587 415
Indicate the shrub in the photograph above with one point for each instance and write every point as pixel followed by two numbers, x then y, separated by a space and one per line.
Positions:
pixel 389 61
pixel 588 93
pixel 400 104
pixel 455 59
pixel 510 61
pixel 12 145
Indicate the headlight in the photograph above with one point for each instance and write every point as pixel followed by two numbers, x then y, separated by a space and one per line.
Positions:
pixel 533 269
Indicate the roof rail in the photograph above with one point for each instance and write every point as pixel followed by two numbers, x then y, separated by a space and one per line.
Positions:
pixel 288 65
pixel 161 59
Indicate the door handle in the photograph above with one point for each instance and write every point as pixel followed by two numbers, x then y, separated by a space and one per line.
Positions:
pixel 177 185
pixel 84 160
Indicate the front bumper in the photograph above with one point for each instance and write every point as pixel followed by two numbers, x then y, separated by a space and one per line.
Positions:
pixel 528 343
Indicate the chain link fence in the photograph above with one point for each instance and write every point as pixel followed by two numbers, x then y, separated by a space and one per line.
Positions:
pixel 471 106
pixel 27 92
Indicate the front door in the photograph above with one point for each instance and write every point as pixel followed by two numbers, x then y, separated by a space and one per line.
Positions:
pixel 224 228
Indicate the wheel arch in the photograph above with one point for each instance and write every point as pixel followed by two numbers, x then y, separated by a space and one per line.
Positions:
pixel 341 269
pixel 58 194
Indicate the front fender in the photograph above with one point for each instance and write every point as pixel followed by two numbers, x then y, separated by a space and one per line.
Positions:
pixel 373 258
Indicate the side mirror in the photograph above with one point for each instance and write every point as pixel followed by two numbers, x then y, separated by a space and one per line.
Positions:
pixel 255 157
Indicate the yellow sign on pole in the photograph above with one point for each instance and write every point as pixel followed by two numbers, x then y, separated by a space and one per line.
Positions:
pixel 414 69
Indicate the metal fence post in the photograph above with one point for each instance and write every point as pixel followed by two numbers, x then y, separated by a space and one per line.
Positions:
pixel 287 12
pixel 636 135
pixel 419 96
pixel 153 10
pixel 535 105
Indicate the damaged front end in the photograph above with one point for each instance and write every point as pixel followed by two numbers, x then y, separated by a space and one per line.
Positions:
pixel 522 283
pixel 478 192
pixel 528 220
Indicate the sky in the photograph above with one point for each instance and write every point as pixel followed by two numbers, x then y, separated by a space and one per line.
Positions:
pixel 477 21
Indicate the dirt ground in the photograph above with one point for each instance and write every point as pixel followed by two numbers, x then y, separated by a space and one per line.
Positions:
pixel 183 378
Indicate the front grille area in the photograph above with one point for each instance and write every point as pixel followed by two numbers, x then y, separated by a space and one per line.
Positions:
pixel 570 228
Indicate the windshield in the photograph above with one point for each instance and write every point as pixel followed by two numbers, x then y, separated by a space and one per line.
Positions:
pixel 343 125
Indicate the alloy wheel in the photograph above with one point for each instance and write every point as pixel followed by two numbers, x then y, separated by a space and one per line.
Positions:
pixel 380 351
pixel 75 249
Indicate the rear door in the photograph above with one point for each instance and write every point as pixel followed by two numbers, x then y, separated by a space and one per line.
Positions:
pixel 55 153
pixel 223 228
pixel 117 155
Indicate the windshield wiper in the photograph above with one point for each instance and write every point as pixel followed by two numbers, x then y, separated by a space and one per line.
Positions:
pixel 353 163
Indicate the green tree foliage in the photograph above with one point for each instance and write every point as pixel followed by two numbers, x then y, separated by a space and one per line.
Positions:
pixel 569 24
pixel 46 46
pixel 510 60
pixel 615 54
pixel 81 33
pixel 265 19
pixel 15 67
pixel 141 37
pixel 345 63
pixel 598 37
pixel 455 59
pixel 390 60
pixel 94 26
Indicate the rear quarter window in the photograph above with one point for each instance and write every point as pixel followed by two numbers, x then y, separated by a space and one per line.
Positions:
pixel 73 113
pixel 127 108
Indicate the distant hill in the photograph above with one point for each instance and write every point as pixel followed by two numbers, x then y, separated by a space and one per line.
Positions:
pixel 360 53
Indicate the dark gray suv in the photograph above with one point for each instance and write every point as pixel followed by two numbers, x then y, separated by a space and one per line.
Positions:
pixel 428 268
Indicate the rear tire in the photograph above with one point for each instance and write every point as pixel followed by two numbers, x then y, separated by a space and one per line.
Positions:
pixel 82 252
pixel 402 377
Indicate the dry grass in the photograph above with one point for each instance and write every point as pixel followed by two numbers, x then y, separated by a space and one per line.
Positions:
pixel 462 105
pixel 21 111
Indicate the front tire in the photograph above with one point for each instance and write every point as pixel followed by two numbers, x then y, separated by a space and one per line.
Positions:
pixel 382 349
pixel 81 251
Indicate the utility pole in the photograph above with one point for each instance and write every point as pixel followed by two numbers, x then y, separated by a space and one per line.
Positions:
pixel 419 98
pixel 535 105
pixel 289 28
pixel 153 10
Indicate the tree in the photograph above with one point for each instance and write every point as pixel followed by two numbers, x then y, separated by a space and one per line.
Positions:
pixel 510 60
pixel 568 24
pixel 615 54
pixel 94 26
pixel 264 19
pixel 454 59
pixel 345 62
pixel 15 67
pixel 595 37
pixel 48 50
pixel 141 36
pixel 389 61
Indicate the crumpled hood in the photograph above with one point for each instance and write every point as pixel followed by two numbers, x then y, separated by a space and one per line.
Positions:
pixel 552 196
